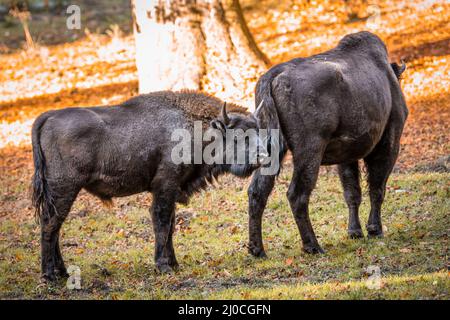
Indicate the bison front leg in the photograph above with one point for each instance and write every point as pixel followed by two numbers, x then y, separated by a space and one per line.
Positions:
pixel 258 193
pixel 163 213
pixel 60 267
pixel 306 170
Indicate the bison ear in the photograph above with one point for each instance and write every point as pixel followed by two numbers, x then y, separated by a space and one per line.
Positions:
pixel 218 124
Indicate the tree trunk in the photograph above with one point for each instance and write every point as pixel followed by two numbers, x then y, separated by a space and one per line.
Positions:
pixel 201 45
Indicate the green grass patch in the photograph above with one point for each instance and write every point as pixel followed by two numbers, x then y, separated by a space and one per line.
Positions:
pixel 114 247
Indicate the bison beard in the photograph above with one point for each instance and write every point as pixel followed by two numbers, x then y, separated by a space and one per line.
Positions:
pixel 119 151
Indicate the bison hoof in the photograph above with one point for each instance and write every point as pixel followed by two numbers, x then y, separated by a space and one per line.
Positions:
pixel 375 235
pixel 61 272
pixel 174 265
pixel 164 268
pixel 257 252
pixel 313 249
pixel 374 231
pixel 48 277
pixel 355 234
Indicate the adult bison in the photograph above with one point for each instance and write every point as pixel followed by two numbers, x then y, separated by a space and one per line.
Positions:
pixel 336 107
pixel 123 150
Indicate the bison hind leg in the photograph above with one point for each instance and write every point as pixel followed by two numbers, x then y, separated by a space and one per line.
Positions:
pixel 380 163
pixel 52 263
pixel 349 176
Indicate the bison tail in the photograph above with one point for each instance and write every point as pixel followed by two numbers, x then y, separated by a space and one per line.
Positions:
pixel 266 111
pixel 42 198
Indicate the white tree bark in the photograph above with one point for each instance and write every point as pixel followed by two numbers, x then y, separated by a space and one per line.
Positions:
pixel 201 45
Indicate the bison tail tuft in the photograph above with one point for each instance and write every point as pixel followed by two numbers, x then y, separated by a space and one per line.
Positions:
pixel 42 198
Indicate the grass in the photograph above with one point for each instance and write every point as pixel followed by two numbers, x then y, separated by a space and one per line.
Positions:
pixel 114 247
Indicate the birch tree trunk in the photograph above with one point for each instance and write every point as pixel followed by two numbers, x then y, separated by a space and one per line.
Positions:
pixel 201 45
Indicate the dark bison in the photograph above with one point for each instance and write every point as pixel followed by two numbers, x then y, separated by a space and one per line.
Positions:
pixel 123 150
pixel 336 107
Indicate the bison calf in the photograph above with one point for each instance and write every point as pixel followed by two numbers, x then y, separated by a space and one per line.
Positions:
pixel 123 150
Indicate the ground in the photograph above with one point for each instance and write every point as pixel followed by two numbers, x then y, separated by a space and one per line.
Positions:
pixel 113 247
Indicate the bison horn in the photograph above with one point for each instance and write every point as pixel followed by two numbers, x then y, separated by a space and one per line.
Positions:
pixel 403 68
pixel 259 107
pixel 226 120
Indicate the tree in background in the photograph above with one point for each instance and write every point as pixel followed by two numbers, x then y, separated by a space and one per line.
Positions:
pixel 200 45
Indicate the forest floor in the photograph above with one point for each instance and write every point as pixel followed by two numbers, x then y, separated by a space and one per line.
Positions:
pixel 114 247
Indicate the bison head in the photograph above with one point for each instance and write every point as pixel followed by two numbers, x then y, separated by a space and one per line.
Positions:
pixel 244 150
